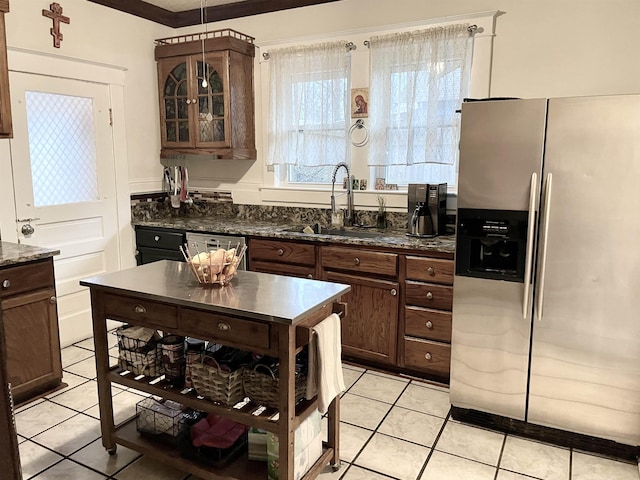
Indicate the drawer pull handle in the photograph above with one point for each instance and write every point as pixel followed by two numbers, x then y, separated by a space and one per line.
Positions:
pixel 429 296
pixel 140 309
pixel 52 300
pixel 310 275
pixel 431 271
pixel 356 261
pixel 280 252
pixel 427 356
pixel 157 238
pixel 429 325
pixel 394 292
pixel 6 284
pixel 225 327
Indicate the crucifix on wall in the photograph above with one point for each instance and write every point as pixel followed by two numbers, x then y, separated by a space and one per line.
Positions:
pixel 55 13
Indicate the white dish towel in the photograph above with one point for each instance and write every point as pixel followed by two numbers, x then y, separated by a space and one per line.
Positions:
pixel 325 362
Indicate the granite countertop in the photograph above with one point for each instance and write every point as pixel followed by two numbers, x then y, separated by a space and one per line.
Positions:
pixel 249 294
pixel 15 253
pixel 387 238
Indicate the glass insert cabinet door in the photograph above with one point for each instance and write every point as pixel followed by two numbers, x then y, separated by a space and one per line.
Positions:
pixel 195 111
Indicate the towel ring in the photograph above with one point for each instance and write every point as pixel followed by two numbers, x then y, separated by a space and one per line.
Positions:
pixel 358 125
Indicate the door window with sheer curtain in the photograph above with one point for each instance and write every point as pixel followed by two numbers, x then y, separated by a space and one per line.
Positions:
pixel 418 81
pixel 308 111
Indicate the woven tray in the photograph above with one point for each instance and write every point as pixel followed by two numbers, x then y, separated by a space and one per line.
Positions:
pixel 215 384
pixel 261 386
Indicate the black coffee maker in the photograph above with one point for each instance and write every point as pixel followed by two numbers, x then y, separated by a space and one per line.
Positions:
pixel 427 209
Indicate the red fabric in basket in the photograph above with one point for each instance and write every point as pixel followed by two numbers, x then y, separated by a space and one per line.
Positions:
pixel 215 431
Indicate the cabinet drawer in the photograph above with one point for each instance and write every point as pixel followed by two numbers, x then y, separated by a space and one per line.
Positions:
pixel 140 312
pixel 429 295
pixel 429 324
pixel 426 356
pixel 225 329
pixel 355 260
pixel 282 252
pixel 431 270
pixel 301 271
pixel 26 278
pixel 159 239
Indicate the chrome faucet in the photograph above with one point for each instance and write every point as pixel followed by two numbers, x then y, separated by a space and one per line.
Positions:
pixel 349 214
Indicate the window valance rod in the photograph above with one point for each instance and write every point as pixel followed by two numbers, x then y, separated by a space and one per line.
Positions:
pixel 472 29
pixel 349 46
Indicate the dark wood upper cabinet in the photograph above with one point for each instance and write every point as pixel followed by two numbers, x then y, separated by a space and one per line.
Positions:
pixel 205 84
pixel 6 127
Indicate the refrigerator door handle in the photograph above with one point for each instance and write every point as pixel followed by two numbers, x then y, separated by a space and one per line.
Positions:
pixel 543 244
pixel 533 194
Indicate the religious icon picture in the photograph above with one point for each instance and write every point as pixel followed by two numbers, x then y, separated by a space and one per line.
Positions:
pixel 359 102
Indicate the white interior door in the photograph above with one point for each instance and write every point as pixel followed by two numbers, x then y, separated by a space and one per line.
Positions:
pixel 64 181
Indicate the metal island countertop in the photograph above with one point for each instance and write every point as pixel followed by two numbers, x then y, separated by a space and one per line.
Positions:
pixel 17 253
pixel 260 296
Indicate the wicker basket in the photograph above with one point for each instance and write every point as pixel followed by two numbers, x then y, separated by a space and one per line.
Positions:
pixel 261 385
pixel 215 384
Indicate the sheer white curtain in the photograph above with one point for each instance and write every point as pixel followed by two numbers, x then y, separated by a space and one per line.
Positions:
pixel 418 80
pixel 308 105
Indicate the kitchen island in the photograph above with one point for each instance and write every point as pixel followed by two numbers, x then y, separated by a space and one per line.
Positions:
pixel 268 314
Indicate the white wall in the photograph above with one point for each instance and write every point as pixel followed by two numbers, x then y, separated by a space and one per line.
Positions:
pixel 103 35
pixel 542 48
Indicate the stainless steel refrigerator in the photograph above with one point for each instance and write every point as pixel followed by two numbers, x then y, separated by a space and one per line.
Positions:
pixel 546 301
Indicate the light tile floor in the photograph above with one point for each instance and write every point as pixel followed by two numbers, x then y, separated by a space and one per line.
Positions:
pixel 391 428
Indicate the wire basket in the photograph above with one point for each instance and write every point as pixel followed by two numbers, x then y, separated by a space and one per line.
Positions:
pixel 159 417
pixel 215 267
pixel 262 386
pixel 215 384
pixel 139 351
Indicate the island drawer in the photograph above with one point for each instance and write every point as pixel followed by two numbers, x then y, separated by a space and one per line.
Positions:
pixel 282 251
pixel 251 334
pixel 426 323
pixel 136 311
pixel 426 356
pixel 429 295
pixel 431 270
pixel 355 260
pixel 26 277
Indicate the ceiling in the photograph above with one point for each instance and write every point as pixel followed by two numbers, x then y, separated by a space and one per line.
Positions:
pixel 184 13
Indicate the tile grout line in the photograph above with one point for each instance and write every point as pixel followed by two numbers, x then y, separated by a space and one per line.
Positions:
pixel 504 443
pixel 433 446
pixel 375 430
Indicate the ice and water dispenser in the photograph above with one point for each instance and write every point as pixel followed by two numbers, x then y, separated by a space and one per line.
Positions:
pixel 491 244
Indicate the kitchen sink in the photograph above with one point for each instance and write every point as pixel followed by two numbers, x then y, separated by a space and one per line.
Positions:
pixel 342 232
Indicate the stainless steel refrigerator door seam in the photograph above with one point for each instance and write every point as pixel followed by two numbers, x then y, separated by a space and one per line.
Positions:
pixel 543 244
pixel 533 196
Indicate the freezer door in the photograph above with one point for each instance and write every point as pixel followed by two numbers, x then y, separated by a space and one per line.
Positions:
pixel 489 347
pixel 501 145
pixel 585 366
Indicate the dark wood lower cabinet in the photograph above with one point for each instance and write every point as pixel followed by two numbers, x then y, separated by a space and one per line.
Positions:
pixel 10 457
pixel 399 315
pixel 370 328
pixel 28 304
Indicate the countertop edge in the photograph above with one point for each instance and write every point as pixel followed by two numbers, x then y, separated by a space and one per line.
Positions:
pixel 16 253
pixel 443 245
